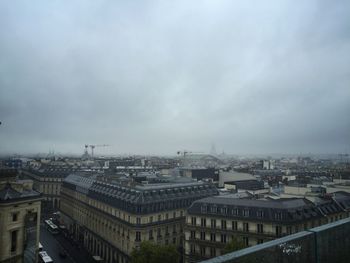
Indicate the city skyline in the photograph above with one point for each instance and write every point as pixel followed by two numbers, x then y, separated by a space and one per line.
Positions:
pixel 157 78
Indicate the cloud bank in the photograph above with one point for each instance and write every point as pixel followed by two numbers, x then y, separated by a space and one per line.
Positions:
pixel 155 77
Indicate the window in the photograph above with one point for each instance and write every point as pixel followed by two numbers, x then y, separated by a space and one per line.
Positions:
pixel 174 214
pixel 234 225
pixel 159 217
pixel 159 232
pixel 278 231
pixel 174 228
pixel 14 217
pixel 14 241
pixel 213 209
pixel 204 209
pixel 166 216
pixel 260 241
pixel 246 227
pixel 212 252
pixel 193 249
pixel 246 212
pixel 203 222
pixel 202 235
pixel 166 230
pixel 213 237
pixel 235 211
pixel 223 224
pixel 213 223
pixel 260 228
pixel 150 235
pixel 278 216
pixel 224 210
pixel 181 213
pixel 138 220
pixel 223 238
pixel 174 240
pixel 246 241
pixel 289 230
pixel 260 213
pixel 193 234
pixel 138 236
pixel 151 219
pixel 202 251
pixel 193 221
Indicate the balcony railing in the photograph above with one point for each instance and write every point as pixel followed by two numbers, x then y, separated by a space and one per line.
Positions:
pixel 323 244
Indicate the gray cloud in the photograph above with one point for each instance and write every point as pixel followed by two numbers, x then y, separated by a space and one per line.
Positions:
pixel 157 76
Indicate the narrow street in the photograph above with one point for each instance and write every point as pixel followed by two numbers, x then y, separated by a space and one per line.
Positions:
pixel 53 244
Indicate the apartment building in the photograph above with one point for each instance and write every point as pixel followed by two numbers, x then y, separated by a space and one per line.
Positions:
pixel 213 222
pixel 48 181
pixel 110 220
pixel 19 219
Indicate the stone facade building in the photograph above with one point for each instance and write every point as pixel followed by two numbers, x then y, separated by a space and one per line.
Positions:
pixel 19 219
pixel 110 220
pixel 48 182
pixel 213 222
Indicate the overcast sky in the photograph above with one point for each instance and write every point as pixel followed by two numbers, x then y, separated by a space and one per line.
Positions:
pixel 155 77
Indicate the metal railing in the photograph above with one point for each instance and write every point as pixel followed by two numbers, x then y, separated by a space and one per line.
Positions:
pixel 323 244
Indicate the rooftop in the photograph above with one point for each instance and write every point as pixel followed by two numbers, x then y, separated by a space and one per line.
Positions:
pixel 14 191
pixel 129 197
pixel 272 210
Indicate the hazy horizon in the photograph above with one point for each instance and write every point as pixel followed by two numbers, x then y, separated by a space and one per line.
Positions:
pixel 251 77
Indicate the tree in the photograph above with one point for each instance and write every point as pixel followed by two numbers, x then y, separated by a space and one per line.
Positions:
pixel 234 245
pixel 153 253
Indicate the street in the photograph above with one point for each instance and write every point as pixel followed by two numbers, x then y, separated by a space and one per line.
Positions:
pixel 53 244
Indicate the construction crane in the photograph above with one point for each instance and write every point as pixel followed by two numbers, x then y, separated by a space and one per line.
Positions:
pixel 93 146
pixel 183 153
pixel 86 149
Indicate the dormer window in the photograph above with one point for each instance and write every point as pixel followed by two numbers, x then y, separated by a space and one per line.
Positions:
pixel 246 212
pixel 260 213
pixel 278 216
pixel 224 210
pixel 235 211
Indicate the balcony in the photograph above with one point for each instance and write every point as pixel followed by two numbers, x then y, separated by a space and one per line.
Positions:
pixel 323 244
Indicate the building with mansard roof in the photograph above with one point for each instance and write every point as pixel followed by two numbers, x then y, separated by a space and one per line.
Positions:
pixel 19 218
pixel 48 181
pixel 213 222
pixel 111 219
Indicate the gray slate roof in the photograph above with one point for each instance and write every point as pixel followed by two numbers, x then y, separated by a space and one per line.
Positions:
pixel 289 210
pixel 142 199
pixel 9 194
